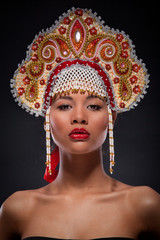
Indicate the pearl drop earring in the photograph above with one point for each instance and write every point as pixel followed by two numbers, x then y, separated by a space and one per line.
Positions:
pixel 48 143
pixel 111 140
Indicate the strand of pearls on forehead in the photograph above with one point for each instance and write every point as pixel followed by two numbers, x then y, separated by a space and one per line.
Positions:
pixel 48 142
pixel 111 140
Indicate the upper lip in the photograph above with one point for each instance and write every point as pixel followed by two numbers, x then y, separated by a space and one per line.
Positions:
pixel 79 130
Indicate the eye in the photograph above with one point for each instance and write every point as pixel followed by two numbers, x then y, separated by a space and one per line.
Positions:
pixel 94 107
pixel 64 107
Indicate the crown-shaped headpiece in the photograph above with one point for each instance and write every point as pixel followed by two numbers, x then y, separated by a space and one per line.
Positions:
pixel 79 38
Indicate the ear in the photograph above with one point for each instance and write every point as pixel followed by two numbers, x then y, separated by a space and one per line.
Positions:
pixel 44 125
pixel 114 115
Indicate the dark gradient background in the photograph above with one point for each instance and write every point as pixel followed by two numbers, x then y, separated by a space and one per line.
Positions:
pixel 137 132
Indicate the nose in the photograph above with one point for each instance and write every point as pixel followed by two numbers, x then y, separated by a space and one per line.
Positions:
pixel 79 116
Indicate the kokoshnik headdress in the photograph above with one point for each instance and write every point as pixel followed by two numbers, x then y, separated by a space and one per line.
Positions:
pixel 79 53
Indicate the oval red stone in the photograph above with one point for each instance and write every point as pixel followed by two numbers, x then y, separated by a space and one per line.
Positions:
pixel 34 46
pixel 37 105
pixel 122 105
pixel 66 20
pixel 42 81
pixel 79 12
pixel 26 80
pixel 20 91
pixel 22 69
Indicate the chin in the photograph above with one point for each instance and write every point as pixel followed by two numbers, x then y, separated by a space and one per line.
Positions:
pixel 81 148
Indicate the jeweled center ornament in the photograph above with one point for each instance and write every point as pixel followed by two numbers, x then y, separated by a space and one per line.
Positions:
pixel 77 36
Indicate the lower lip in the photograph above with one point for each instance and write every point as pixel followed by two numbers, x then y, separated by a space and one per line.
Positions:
pixel 79 136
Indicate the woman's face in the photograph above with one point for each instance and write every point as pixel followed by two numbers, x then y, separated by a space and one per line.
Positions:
pixel 78 110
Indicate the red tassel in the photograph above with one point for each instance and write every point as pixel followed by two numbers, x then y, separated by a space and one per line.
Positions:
pixel 54 162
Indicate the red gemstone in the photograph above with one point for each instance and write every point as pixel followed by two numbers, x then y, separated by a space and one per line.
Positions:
pixel 124 54
pixel 108 67
pixel 136 89
pixel 79 12
pixel 135 68
pixel 122 105
pixel 133 79
pixel 58 60
pixel 20 91
pixel 62 30
pixel 93 31
pixel 89 21
pixel 116 80
pixel 49 67
pixel 66 20
pixel 96 59
pixel 34 46
pixel 119 37
pixel 37 105
pixel 26 80
pixel 35 57
pixel 125 45
pixel 40 38
pixel 22 69
pixel 42 81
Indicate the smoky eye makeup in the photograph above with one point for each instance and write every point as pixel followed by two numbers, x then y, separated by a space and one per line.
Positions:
pixel 64 107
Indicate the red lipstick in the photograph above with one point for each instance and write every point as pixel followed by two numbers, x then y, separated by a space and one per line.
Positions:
pixel 79 133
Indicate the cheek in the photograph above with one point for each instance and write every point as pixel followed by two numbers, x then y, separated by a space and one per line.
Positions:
pixel 100 121
pixel 100 127
pixel 57 121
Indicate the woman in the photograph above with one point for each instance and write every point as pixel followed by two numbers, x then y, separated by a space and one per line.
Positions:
pixel 79 74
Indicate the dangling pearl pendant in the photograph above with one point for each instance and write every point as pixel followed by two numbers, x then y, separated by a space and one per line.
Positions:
pixel 111 140
pixel 48 143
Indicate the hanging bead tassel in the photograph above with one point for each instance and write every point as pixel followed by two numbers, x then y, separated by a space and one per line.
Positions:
pixel 48 143
pixel 111 140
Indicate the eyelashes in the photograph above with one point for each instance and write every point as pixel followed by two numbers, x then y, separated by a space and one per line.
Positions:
pixel 65 107
pixel 94 107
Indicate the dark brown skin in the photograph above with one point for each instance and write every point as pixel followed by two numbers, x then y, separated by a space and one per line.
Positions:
pixel 83 202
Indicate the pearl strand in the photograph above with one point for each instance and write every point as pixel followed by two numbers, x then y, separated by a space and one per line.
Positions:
pixel 48 143
pixel 111 140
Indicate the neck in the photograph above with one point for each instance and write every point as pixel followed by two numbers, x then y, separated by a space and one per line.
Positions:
pixel 81 171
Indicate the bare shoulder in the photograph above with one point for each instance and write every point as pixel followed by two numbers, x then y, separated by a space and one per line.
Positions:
pixel 22 202
pixel 145 203
pixel 142 196
pixel 15 210
pixel 17 201
pixel 145 198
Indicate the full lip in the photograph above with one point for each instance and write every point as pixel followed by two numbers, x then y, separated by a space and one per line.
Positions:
pixel 79 131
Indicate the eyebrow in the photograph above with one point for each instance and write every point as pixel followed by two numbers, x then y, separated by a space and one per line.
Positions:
pixel 70 98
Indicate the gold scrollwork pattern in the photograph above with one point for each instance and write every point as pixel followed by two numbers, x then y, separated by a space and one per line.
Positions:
pixel 31 93
pixel 63 46
pixel 125 90
pixel 123 67
pixel 34 69
pixel 92 46
pixel 109 50
pixel 46 51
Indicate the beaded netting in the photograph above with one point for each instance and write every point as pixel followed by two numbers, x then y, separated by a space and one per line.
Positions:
pixel 79 78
